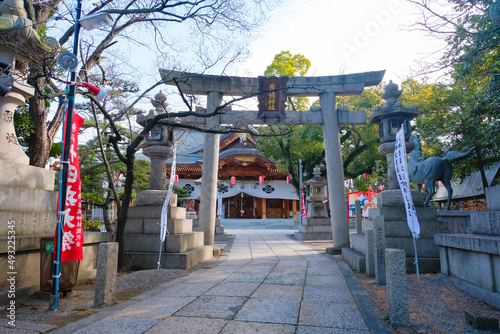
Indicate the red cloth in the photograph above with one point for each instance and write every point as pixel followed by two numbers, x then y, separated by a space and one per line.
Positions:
pixel 72 238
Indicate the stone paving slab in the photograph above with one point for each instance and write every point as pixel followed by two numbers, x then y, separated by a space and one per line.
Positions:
pixel 267 310
pixel 324 280
pixel 155 308
pixel 182 325
pixel 325 330
pixel 334 315
pixel 118 325
pixel 247 277
pixel 285 278
pixel 186 290
pixel 292 292
pixel 213 307
pixel 241 327
pixel 327 293
pixel 233 289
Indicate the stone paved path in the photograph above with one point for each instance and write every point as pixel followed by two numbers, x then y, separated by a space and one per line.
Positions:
pixel 267 283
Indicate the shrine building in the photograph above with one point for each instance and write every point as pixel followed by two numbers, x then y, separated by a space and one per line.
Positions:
pixel 250 185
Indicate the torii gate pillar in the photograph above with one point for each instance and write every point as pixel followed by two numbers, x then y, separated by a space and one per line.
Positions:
pixel 334 171
pixel 208 198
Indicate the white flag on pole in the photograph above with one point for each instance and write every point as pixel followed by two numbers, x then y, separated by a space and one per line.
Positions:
pixel 404 182
pixel 164 209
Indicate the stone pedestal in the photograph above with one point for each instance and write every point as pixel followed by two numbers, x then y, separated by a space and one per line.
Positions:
pixel 315 229
pixel 390 230
pixel 182 248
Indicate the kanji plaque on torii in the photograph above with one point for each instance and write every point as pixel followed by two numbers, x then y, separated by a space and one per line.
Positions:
pixel 326 87
pixel 273 97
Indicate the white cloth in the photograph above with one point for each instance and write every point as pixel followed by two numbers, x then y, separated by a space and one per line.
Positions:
pixel 404 183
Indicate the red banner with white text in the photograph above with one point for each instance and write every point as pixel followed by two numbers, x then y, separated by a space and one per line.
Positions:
pixel 72 237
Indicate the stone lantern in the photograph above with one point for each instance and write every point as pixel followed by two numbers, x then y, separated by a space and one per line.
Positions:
pixel 390 118
pixel 316 202
pixel 158 148
pixel 317 226
pixel 20 46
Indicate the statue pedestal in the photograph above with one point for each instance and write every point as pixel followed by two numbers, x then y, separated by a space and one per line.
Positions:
pixel 390 229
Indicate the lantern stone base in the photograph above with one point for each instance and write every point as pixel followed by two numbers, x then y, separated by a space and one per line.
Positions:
pixel 182 248
pixel 387 227
pixel 315 229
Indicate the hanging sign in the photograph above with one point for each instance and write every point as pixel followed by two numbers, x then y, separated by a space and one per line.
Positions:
pixel 304 210
pixel 72 236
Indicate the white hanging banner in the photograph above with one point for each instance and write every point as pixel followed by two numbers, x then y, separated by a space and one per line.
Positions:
pixel 164 210
pixel 404 183
pixel 219 205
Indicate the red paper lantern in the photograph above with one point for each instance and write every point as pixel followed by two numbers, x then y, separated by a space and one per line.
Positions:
pixel 288 178
pixel 261 179
pixel 423 185
pixel 233 180
pixel 366 175
pixel 381 188
pixel 176 178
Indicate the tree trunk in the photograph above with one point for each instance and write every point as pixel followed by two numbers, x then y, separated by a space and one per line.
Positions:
pixel 39 148
pixel 123 212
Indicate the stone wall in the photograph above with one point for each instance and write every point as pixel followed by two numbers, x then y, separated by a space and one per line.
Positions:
pixel 27 262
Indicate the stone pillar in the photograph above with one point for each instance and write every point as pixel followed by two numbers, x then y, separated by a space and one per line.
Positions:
pixel 335 171
pixel 397 296
pixel 158 169
pixel 379 244
pixel 208 198
pixel 369 256
pixel 107 267
pixel 359 226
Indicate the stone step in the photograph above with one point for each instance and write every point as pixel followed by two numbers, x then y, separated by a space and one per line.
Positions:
pixel 174 243
pixel 315 228
pixel 154 211
pixel 354 259
pixel 313 236
pixel 152 225
pixel 186 260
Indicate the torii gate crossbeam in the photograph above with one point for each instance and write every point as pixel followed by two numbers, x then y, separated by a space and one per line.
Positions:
pixel 326 87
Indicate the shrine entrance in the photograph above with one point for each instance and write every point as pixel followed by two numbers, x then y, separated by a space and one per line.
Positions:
pixel 272 94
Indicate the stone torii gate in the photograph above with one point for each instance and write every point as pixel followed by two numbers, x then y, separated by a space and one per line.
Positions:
pixel 326 87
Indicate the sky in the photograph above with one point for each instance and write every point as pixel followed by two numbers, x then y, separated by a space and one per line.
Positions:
pixel 340 36
pixel 337 36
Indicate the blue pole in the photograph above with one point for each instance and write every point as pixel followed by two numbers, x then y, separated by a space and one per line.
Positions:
pixel 67 129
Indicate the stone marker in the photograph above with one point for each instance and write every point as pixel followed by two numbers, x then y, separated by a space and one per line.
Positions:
pixel 369 256
pixel 105 281
pixel 379 248
pixel 397 297
pixel 359 226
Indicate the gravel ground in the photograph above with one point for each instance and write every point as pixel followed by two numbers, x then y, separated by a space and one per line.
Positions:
pixel 434 304
pixel 80 302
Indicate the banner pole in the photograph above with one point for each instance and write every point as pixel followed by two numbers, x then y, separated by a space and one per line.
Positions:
pixel 416 258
